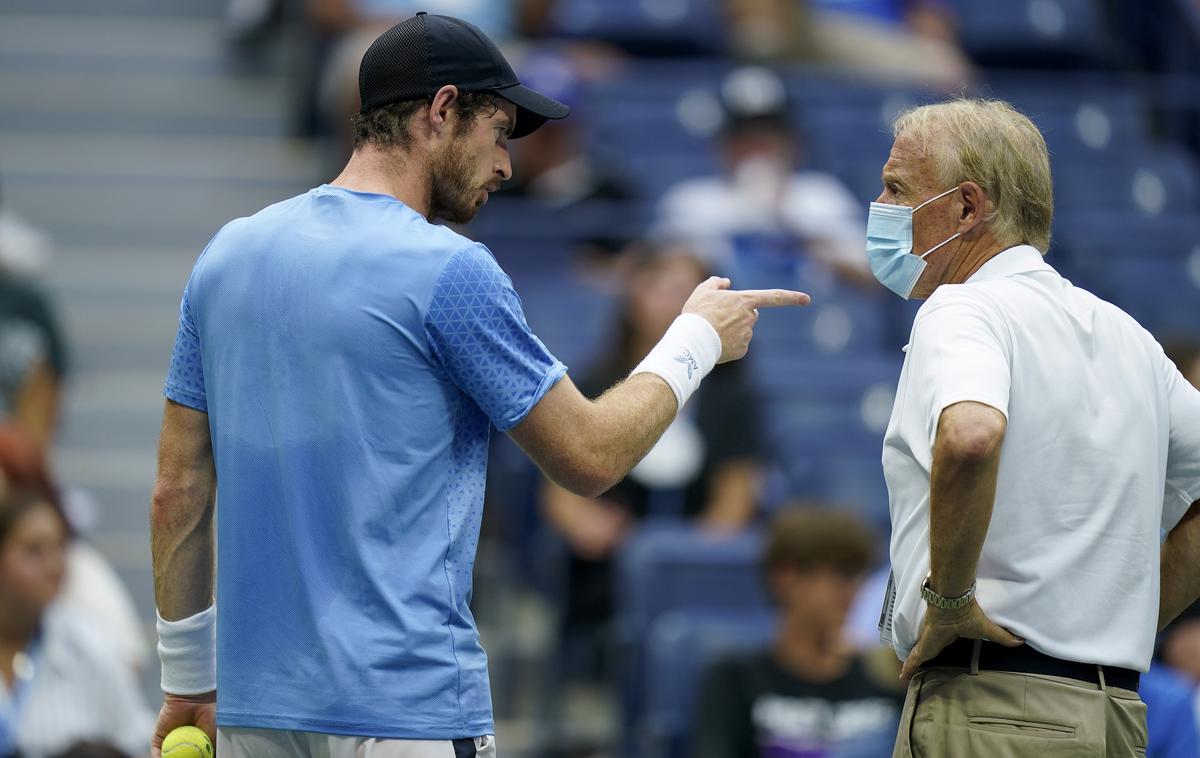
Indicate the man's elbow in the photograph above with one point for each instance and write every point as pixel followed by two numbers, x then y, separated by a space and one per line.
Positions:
pixel 170 500
pixel 587 475
pixel 972 440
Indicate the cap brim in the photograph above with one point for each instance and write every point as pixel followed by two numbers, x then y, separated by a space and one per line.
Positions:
pixel 533 109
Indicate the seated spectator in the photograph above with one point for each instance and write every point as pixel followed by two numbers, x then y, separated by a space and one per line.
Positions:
pixel 551 166
pixel 763 215
pixel 32 373
pixel 895 42
pixel 32 357
pixel 62 684
pixel 811 693
pixel 24 248
pixel 706 467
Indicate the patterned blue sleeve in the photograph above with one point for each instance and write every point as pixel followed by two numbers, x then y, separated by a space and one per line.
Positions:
pixel 185 376
pixel 478 332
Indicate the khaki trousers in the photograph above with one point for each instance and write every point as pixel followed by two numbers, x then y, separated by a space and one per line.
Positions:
pixel 278 743
pixel 954 713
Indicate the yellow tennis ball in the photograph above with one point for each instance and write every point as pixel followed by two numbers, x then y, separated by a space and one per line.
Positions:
pixel 187 742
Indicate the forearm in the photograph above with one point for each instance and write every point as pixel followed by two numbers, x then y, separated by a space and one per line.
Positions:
pixel 966 462
pixel 1179 584
pixel 182 549
pixel 181 515
pixel 613 433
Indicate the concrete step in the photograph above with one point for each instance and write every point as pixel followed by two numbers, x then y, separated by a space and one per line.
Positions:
pixel 67 101
pixel 121 8
pixel 175 159
pixel 59 42
pixel 140 211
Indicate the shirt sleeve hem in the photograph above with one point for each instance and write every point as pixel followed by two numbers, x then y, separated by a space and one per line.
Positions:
pixel 968 397
pixel 185 397
pixel 549 379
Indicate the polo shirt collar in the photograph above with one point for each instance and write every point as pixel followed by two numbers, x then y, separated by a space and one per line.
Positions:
pixel 1021 259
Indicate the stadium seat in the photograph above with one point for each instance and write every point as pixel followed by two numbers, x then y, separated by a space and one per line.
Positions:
pixel 668 567
pixel 680 647
pixel 645 27
pixel 1150 180
pixel 825 427
pixel 1034 33
pixel 840 320
pixel 1148 266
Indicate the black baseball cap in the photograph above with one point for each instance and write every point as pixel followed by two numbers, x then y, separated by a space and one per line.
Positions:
pixel 419 56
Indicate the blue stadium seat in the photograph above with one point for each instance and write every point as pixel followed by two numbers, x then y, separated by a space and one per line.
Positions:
pixel 576 340
pixel 680 648
pixel 671 566
pixel 1151 181
pixel 1150 267
pixel 818 381
pixel 1034 33
pixel 668 567
pixel 825 427
pixel 528 219
pixel 648 27
pixel 841 319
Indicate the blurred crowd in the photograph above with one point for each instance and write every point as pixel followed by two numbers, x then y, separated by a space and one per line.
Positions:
pixel 722 599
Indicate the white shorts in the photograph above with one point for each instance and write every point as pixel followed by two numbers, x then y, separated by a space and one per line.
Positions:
pixel 233 742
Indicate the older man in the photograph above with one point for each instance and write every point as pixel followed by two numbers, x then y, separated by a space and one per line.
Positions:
pixel 1039 442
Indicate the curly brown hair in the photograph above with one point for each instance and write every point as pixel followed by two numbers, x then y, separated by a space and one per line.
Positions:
pixel 388 126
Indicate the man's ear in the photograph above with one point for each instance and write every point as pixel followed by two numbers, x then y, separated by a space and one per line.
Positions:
pixel 975 206
pixel 439 109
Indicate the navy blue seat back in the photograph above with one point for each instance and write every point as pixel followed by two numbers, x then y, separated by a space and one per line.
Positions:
pixel 680 648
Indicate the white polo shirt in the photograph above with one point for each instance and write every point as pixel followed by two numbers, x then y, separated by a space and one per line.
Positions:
pixel 1102 450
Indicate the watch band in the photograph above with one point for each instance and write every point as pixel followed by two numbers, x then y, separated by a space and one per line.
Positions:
pixel 946 603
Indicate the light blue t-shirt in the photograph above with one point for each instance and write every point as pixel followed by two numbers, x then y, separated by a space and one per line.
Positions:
pixel 351 358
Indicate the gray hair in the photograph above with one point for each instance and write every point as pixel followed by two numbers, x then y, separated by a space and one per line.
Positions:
pixel 991 143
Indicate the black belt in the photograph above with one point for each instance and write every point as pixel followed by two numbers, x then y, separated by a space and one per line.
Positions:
pixel 1026 660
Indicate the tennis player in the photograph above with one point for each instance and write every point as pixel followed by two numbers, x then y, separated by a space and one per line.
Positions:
pixel 339 363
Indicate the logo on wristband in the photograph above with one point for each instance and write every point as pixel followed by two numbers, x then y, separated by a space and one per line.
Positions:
pixel 687 359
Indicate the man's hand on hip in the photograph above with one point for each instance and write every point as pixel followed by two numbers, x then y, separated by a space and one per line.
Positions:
pixel 941 627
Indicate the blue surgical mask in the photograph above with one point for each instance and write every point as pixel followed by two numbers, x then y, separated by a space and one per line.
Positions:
pixel 889 245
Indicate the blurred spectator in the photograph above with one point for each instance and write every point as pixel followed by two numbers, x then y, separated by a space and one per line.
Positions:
pixel 762 214
pixel 706 466
pixel 62 684
pixel 552 170
pixel 811 694
pixel 32 358
pixel 551 165
pixel 33 366
pixel 23 247
pixel 898 42
pixel 1170 714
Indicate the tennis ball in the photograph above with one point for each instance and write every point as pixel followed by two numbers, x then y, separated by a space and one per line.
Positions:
pixel 187 742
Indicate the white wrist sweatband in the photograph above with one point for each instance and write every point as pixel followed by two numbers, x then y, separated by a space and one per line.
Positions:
pixel 684 356
pixel 188 650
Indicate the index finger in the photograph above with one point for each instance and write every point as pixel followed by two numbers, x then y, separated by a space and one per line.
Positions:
pixel 775 298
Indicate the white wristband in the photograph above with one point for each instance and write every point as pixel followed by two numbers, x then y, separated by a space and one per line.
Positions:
pixel 684 356
pixel 188 650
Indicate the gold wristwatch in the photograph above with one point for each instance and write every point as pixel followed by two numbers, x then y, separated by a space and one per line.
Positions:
pixel 946 603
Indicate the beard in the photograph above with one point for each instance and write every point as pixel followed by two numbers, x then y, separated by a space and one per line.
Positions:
pixel 452 194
